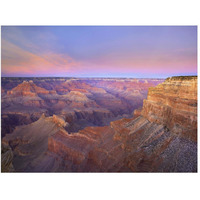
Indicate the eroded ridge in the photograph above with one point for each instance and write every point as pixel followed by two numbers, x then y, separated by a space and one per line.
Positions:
pixel 160 138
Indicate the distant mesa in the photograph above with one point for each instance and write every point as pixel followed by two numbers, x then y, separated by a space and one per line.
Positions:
pixel 28 88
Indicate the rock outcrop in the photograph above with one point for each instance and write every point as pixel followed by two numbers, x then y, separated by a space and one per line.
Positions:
pixel 6 159
pixel 137 112
pixel 30 142
pixel 174 104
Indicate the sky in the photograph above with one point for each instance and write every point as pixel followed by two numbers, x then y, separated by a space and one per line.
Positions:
pixel 98 51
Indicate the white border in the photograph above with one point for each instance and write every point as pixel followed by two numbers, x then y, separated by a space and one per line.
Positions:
pixel 93 185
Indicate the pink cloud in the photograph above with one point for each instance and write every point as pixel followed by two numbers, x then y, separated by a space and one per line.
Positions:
pixel 16 60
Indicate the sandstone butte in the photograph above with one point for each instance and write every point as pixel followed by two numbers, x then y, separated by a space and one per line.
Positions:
pixel 28 88
pixel 161 138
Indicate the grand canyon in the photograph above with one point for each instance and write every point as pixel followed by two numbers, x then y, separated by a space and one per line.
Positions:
pixel 99 124
pixel 99 99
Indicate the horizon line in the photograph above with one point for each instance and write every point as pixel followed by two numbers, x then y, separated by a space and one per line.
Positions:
pixel 92 77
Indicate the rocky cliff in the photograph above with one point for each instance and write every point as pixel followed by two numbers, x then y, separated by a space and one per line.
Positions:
pixel 174 105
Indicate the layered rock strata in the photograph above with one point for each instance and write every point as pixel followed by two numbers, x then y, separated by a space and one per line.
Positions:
pixel 82 102
pixel 160 138
pixel 174 104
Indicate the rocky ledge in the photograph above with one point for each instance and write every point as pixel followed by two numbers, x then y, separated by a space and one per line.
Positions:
pixel 173 104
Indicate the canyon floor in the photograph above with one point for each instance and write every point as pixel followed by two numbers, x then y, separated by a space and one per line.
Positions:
pixel 99 125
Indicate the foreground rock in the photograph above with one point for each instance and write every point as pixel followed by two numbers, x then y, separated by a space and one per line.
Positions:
pixel 29 142
pixel 6 159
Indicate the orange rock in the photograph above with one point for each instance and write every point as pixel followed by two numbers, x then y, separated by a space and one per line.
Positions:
pixel 174 104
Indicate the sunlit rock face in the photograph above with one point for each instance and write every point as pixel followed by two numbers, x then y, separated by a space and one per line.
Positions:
pixel 174 104
pixel 143 143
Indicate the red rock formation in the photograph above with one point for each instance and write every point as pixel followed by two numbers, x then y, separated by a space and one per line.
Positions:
pixel 174 104
pixel 137 112
pixel 84 95
pixel 28 89
pixel 146 143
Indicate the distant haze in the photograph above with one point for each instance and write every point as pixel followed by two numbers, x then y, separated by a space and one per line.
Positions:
pixel 99 51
